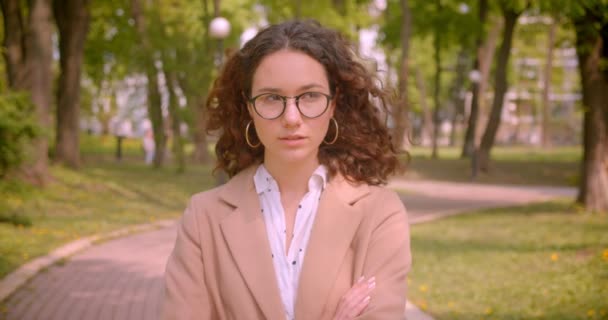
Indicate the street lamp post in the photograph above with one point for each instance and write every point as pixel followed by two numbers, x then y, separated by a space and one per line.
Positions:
pixel 219 29
pixel 475 77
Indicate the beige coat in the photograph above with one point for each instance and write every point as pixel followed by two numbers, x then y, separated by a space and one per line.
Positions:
pixel 221 266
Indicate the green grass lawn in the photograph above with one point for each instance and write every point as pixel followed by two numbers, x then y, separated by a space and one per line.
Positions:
pixel 542 261
pixel 510 165
pixel 104 195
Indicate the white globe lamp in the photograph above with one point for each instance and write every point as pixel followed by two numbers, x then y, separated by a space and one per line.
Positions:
pixel 475 76
pixel 219 28
pixel 463 8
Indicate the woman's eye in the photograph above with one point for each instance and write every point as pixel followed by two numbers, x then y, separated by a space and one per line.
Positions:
pixel 310 95
pixel 273 97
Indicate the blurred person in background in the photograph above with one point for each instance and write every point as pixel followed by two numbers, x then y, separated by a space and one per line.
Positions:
pixel 148 145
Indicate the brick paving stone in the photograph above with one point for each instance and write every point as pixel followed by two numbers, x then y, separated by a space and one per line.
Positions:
pixel 107 281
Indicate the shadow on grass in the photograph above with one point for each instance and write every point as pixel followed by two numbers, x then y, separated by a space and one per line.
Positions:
pixel 153 185
pixel 509 171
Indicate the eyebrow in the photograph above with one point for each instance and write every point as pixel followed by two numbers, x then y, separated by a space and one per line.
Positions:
pixel 302 88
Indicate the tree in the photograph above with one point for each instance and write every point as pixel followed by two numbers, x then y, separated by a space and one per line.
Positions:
pixel 469 140
pixel 402 109
pixel 511 12
pixel 437 39
pixel 109 58
pixel 591 25
pixel 457 97
pixel 547 84
pixel 176 122
pixel 196 98
pixel 154 97
pixel 28 54
pixel 444 22
pixel 72 18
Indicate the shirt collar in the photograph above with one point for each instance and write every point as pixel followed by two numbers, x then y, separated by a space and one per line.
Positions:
pixel 265 182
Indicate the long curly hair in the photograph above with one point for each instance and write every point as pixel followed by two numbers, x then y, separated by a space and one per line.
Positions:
pixel 363 152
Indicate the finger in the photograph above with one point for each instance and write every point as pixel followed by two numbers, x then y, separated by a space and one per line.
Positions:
pixel 360 285
pixel 354 308
pixel 361 306
pixel 355 299
pixel 358 294
pixel 362 289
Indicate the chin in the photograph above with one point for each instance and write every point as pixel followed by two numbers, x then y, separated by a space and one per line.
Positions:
pixel 295 156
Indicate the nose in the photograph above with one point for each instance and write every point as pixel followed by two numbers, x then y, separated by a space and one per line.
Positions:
pixel 292 115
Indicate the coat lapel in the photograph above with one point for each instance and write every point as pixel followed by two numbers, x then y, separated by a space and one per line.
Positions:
pixel 333 230
pixel 245 234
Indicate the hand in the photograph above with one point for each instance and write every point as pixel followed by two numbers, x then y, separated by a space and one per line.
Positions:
pixel 355 300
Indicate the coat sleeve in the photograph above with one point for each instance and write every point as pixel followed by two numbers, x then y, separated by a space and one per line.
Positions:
pixel 388 259
pixel 185 291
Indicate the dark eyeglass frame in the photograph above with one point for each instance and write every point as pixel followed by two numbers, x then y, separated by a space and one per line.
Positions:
pixel 284 98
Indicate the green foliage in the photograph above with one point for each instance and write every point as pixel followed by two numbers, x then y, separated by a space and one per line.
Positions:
pixel 347 18
pixel 111 50
pixel 455 27
pixel 17 127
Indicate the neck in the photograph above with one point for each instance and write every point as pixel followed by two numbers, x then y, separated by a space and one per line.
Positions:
pixel 291 177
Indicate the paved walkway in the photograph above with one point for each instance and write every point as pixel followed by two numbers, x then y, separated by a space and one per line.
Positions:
pixel 122 278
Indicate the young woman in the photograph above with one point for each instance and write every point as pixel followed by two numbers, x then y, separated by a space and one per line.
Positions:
pixel 303 229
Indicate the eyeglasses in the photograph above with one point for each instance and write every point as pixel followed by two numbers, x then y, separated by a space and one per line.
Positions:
pixel 271 106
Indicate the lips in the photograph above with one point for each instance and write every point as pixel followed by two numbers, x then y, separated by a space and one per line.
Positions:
pixel 292 137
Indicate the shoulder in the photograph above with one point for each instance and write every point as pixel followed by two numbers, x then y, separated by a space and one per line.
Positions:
pixel 197 205
pixel 205 206
pixel 206 197
pixel 361 194
pixel 379 196
pixel 385 196
pixel 382 204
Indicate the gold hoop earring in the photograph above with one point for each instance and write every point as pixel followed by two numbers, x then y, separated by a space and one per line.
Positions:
pixel 247 136
pixel 337 132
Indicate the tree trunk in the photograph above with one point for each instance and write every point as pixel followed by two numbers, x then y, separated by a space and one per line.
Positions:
pixel 298 9
pixel 196 103
pixel 176 120
pixel 487 141
pixel 195 86
pixel 427 116
pixel 340 6
pixel 402 110
pixel 154 99
pixel 592 50
pixel 14 50
pixel 72 19
pixel 485 64
pixel 437 87
pixel 547 85
pixel 156 115
pixel 201 152
pixel 456 91
pixel 28 57
pixel 468 147
pixel 39 56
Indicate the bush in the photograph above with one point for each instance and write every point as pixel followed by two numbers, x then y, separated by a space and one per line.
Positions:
pixel 18 126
